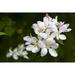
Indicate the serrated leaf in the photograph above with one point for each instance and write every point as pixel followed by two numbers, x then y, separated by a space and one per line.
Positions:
pixel 2 33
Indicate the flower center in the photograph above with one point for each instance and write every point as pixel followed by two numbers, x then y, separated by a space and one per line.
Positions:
pixel 35 43
pixel 46 26
pixel 48 46
pixel 39 30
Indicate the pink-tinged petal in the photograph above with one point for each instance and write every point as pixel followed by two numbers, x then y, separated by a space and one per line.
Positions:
pixel 52 52
pixel 47 19
pixel 62 37
pixel 61 23
pixel 41 44
pixel 44 52
pixel 63 28
pixel 54 45
pixel 52 41
pixel 53 28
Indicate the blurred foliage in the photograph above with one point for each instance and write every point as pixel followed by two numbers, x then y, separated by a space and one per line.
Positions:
pixel 6 25
pixel 2 33
pixel 18 25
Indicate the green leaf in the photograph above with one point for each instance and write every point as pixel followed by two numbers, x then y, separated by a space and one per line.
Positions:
pixel 2 33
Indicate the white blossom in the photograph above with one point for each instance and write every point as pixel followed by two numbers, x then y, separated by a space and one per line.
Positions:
pixel 39 27
pixel 22 52
pixel 48 46
pixel 13 54
pixel 32 44
pixel 61 29
pixel 16 52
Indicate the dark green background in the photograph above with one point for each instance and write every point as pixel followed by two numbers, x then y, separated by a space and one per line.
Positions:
pixel 18 25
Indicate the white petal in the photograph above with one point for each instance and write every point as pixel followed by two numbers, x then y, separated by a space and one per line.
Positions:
pixel 55 19
pixel 43 51
pixel 15 50
pixel 35 49
pixel 53 52
pixel 9 55
pixel 34 26
pixel 25 53
pixel 27 43
pixel 40 24
pixel 29 47
pixel 21 47
pixel 15 57
pixel 55 46
pixel 62 37
pixel 53 35
pixel 36 31
pixel 67 25
pixel 69 29
pixel 47 19
pixel 26 38
pixel 34 39
pixel 52 41
pixel 26 57
pixel 32 48
pixel 10 50
pixel 43 35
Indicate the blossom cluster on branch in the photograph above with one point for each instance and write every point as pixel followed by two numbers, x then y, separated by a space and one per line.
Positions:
pixel 48 32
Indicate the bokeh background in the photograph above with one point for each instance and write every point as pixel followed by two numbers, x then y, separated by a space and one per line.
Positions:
pixel 18 25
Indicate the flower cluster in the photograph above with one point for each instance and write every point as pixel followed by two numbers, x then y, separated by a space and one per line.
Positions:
pixel 48 32
pixel 18 51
